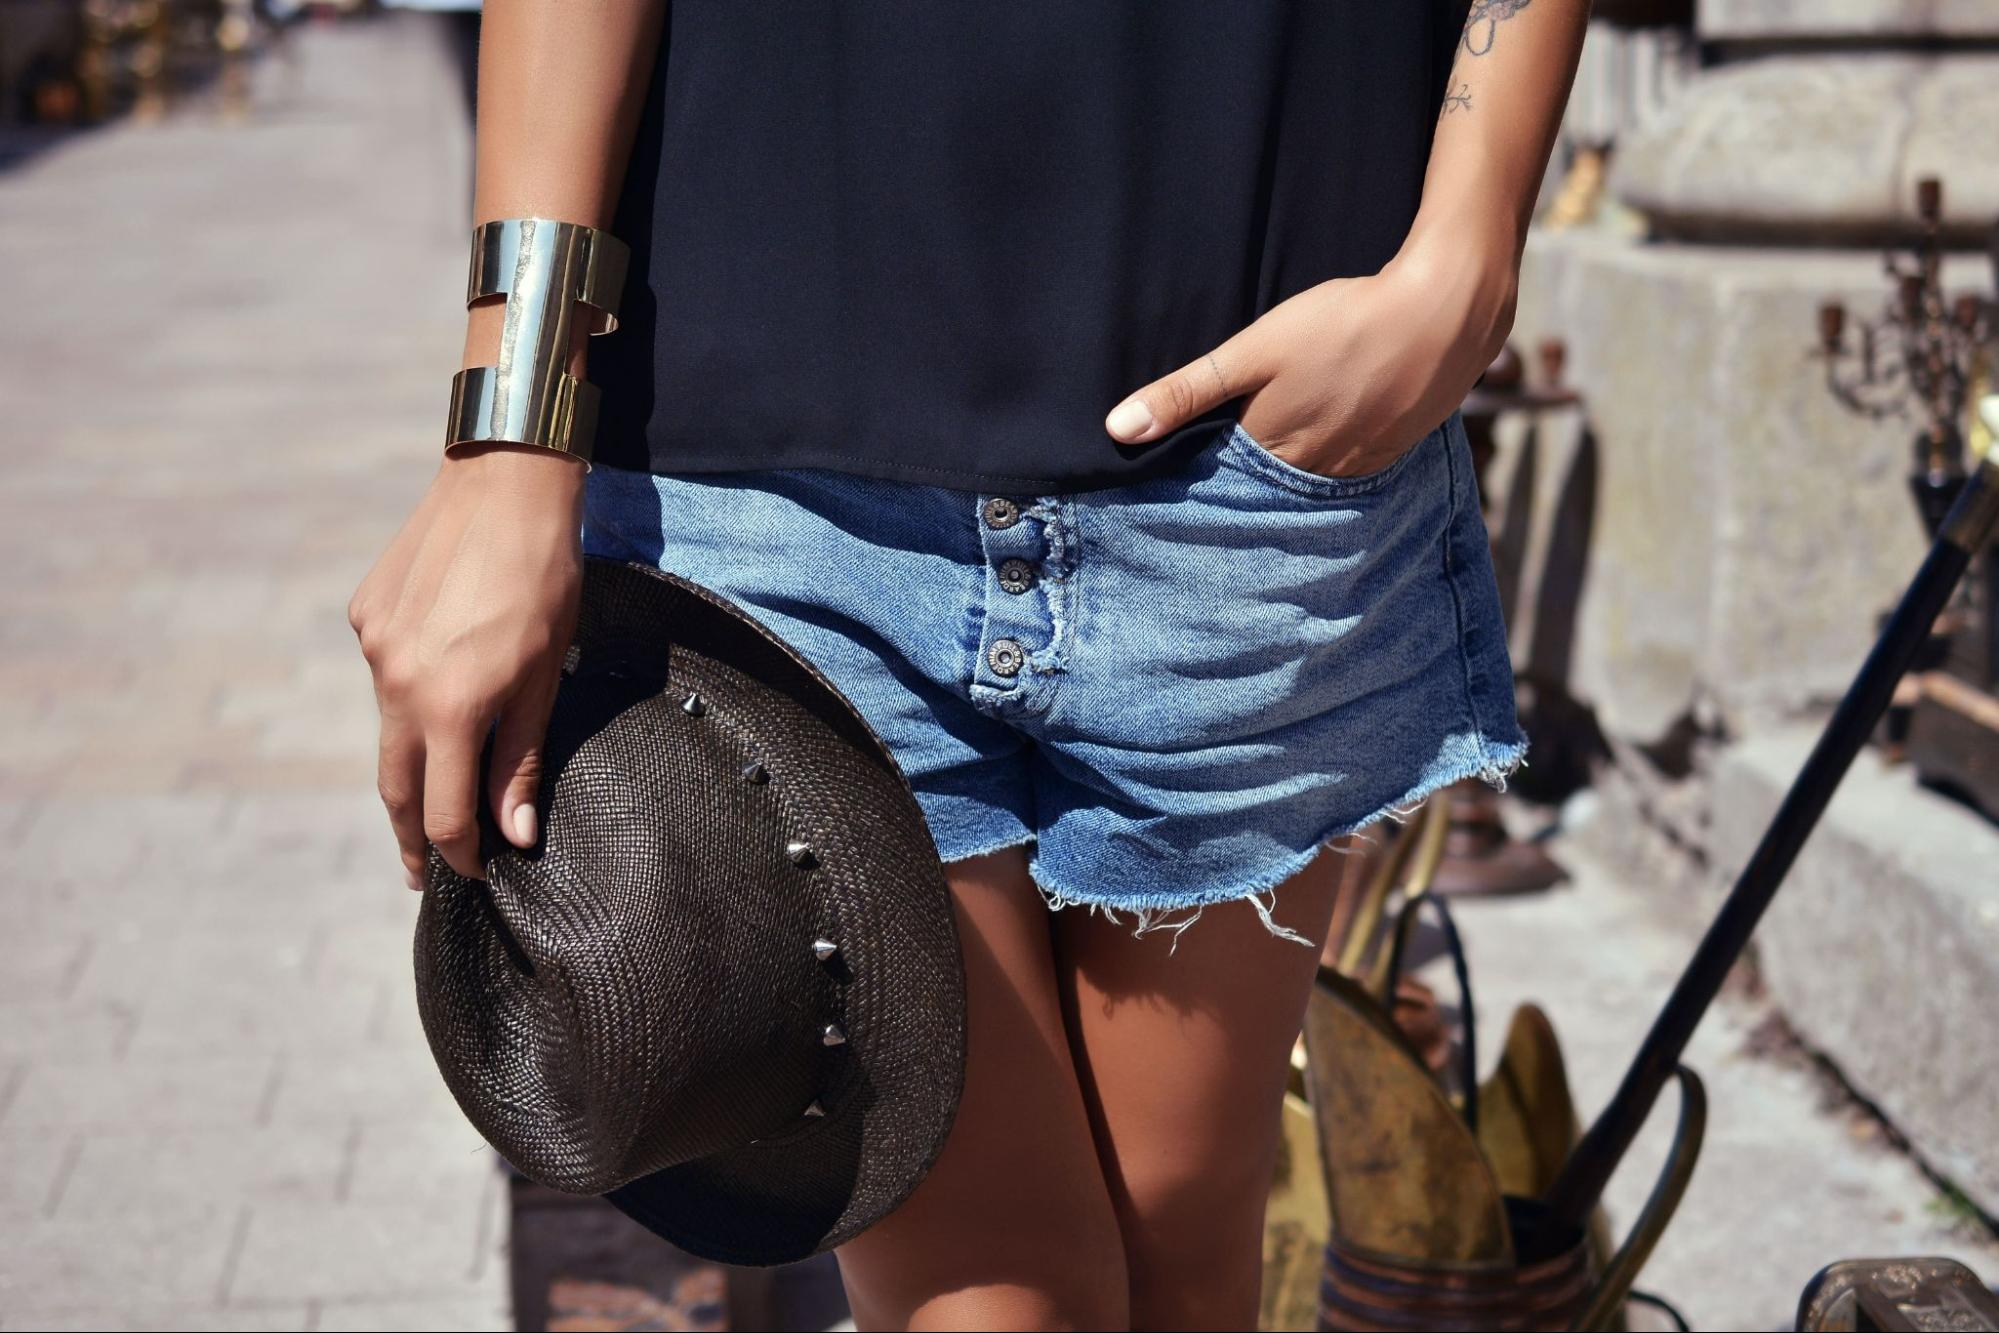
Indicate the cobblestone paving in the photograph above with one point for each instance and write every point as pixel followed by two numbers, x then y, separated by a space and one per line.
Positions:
pixel 223 362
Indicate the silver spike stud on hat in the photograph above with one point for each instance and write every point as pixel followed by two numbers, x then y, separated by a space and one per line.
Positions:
pixel 800 852
pixel 756 775
pixel 833 1035
pixel 815 1110
pixel 694 705
pixel 823 949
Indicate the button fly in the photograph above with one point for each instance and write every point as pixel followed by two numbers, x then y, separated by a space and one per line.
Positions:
pixel 1001 513
pixel 1016 575
pixel 1026 546
pixel 1005 657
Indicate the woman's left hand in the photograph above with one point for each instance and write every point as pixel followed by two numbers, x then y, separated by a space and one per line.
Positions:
pixel 1344 377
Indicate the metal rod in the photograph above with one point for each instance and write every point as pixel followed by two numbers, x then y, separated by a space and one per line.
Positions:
pixel 1968 528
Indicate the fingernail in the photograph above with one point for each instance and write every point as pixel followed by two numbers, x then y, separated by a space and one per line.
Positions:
pixel 524 825
pixel 414 880
pixel 1129 420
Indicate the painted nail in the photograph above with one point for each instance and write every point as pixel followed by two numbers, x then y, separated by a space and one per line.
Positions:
pixel 524 825
pixel 1129 420
pixel 413 880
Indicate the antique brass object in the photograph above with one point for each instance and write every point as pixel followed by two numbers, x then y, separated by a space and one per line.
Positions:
pixel 1433 1204
pixel 1295 1224
pixel 1411 861
pixel 1927 354
pixel 1482 857
pixel 1527 1120
pixel 1404 1179
pixel 1868 1294
pixel 1622 1270
pixel 1547 1291
pixel 1921 352
pixel 1420 1227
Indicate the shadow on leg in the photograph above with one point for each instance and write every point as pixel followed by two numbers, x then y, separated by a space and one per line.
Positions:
pixel 1182 1054
pixel 1013 1228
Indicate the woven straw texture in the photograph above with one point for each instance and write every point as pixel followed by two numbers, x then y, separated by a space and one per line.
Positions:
pixel 635 1007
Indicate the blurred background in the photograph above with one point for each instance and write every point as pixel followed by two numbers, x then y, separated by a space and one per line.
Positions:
pixel 232 246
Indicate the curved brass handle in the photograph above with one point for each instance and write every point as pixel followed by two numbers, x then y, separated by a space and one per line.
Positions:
pixel 1622 1270
pixel 1455 947
pixel 1424 840
pixel 1367 917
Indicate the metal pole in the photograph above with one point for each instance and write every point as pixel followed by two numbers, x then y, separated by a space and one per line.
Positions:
pixel 1966 530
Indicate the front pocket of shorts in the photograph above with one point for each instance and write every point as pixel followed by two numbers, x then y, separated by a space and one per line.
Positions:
pixel 1250 454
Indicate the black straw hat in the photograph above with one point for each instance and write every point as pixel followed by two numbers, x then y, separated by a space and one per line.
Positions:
pixel 725 988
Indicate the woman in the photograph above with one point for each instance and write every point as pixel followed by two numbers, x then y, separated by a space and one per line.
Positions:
pixel 1075 384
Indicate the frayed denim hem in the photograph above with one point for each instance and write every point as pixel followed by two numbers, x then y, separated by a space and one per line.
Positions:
pixel 1163 911
pixel 987 847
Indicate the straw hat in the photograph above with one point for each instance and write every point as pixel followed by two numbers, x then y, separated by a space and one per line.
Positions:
pixel 725 989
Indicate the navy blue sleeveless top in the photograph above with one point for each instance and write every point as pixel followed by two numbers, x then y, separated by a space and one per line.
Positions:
pixel 938 242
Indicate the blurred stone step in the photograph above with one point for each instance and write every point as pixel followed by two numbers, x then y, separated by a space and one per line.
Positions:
pixel 1882 950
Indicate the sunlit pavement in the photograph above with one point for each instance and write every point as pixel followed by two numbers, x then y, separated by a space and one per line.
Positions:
pixel 223 368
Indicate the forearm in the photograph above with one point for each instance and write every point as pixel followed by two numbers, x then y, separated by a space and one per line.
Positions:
pixel 1502 107
pixel 560 85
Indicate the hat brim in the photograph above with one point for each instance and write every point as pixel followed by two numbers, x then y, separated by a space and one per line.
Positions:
pixel 829 1177
pixel 794 1195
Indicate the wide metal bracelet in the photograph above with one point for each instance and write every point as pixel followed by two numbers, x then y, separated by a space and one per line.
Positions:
pixel 545 269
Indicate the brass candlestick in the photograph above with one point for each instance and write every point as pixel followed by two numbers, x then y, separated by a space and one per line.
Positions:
pixel 1926 351
pixel 1920 352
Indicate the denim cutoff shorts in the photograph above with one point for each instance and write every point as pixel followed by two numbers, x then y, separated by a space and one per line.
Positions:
pixel 1176 689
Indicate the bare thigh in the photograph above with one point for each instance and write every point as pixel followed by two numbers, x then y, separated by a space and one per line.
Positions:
pixel 1182 1049
pixel 1013 1228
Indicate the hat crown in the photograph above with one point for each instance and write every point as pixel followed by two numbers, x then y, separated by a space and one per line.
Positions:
pixel 623 996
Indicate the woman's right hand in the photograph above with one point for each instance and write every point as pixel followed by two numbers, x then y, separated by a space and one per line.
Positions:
pixel 464 621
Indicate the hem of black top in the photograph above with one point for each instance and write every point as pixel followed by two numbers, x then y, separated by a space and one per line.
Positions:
pixel 1165 458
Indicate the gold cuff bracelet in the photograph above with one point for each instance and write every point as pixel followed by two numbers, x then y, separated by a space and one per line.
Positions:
pixel 545 269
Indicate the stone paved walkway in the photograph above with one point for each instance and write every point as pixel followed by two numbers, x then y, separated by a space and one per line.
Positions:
pixel 223 361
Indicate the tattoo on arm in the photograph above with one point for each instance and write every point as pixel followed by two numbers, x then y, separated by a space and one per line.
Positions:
pixel 1482 23
pixel 1481 30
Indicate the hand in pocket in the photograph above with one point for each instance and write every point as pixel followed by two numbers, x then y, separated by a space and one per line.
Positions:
pixel 1344 377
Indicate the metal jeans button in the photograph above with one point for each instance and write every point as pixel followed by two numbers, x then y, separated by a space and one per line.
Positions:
pixel 1000 513
pixel 1005 657
pixel 1016 575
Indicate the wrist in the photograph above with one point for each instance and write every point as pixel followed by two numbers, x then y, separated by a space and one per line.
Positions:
pixel 1470 274
pixel 524 470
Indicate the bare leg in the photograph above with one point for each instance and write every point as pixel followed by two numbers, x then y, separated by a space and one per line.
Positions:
pixel 1013 1228
pixel 1182 1053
